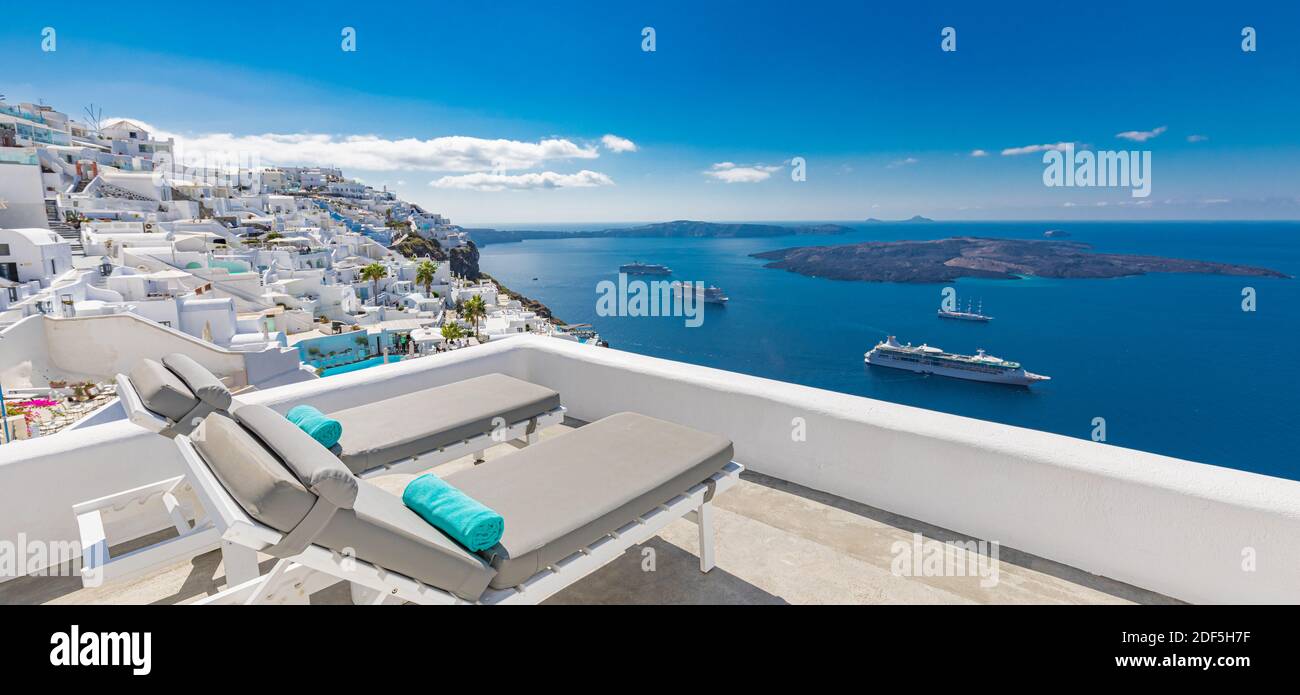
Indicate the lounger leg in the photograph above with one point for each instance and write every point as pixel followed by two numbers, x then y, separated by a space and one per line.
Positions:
pixel 533 438
pixel 365 596
pixel 479 456
pixel 704 519
pixel 282 585
pixel 240 562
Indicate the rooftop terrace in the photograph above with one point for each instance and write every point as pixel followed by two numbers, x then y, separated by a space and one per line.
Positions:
pixel 777 543
pixel 817 519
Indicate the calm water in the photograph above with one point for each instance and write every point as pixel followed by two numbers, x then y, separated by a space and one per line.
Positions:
pixel 1170 361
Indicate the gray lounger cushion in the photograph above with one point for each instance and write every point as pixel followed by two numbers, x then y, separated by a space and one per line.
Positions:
pixel 562 494
pixel 390 430
pixel 314 466
pixel 378 528
pixel 202 382
pixel 161 391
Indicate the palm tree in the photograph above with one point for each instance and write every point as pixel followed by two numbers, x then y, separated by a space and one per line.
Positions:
pixel 452 331
pixel 374 273
pixel 472 310
pixel 424 275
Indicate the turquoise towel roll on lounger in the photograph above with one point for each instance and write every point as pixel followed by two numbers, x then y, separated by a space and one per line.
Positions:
pixel 454 513
pixel 312 421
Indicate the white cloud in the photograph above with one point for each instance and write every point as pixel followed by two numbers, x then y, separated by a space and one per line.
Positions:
pixel 482 181
pixel 978 153
pixel 1197 138
pixel 1141 135
pixel 1030 149
pixel 370 152
pixel 614 143
pixel 729 172
pixel 903 162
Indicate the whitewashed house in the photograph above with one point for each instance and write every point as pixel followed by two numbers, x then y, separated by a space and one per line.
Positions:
pixel 33 254
pixel 132 139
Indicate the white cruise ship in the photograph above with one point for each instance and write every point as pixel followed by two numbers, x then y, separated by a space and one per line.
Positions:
pixel 931 360
pixel 709 295
pixel 639 268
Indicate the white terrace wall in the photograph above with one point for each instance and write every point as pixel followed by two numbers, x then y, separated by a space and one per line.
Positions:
pixel 109 345
pixel 1172 526
pixel 99 347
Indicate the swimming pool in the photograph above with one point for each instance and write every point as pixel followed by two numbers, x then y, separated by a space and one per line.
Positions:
pixel 363 364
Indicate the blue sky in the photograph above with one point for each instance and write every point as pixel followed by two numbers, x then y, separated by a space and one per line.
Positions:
pixel 885 120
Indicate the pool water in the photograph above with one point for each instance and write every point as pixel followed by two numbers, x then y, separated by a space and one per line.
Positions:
pixel 356 366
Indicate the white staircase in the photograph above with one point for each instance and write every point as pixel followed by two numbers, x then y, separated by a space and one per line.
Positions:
pixel 63 229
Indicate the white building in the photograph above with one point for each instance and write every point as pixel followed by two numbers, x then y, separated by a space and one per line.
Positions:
pixel 311 178
pixel 272 181
pixel 23 125
pixel 33 254
pixel 130 138
pixel 22 198
pixel 347 189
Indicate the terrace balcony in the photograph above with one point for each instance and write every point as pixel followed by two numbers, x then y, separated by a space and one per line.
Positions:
pixel 836 486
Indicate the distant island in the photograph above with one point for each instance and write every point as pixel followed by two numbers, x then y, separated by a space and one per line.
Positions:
pixel 944 260
pixel 676 228
pixel 911 220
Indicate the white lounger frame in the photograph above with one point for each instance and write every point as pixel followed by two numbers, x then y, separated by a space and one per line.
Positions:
pixel 294 579
pixel 524 430
pixel 135 410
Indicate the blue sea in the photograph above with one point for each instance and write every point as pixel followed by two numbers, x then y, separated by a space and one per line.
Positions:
pixel 1171 362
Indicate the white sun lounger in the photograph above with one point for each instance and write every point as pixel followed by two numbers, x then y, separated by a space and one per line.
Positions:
pixel 571 505
pixel 406 434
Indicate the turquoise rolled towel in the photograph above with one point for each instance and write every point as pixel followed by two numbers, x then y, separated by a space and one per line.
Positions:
pixel 454 513
pixel 325 430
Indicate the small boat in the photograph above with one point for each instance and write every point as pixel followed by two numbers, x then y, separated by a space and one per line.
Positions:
pixel 968 315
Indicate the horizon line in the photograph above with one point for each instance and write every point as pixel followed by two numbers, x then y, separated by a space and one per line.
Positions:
pixel 772 221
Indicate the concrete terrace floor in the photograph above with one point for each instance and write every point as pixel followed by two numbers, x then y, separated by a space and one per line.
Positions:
pixel 777 543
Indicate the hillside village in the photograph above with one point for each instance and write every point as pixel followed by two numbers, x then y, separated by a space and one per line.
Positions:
pixel 108 244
